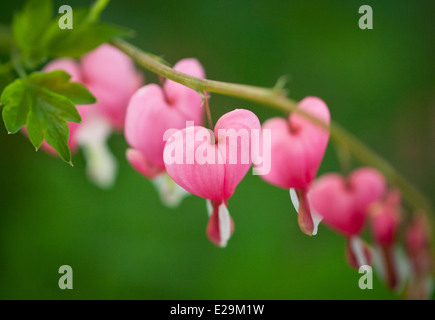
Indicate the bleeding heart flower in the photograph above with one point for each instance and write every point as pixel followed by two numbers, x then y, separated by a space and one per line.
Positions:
pixel 417 242
pixel 344 203
pixel 212 164
pixel 298 147
pixel 112 78
pixel 153 111
pixel 385 221
pixel 386 218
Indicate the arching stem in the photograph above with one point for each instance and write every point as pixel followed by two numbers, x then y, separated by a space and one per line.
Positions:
pixel 276 99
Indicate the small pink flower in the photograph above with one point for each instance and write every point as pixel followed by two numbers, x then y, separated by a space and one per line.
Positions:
pixel 151 112
pixel 344 203
pixel 219 164
pixel 386 219
pixel 417 243
pixel 298 147
pixel 111 76
pixel 385 222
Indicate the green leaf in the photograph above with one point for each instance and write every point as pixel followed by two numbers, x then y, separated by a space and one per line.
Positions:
pixel 58 82
pixel 96 9
pixel 6 76
pixel 39 36
pixel 85 39
pixel 29 26
pixel 44 102
pixel 86 35
pixel 16 106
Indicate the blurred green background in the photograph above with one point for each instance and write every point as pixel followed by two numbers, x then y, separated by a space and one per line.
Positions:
pixel 124 244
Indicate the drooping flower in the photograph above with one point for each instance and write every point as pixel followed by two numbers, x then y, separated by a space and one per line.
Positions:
pixel 385 222
pixel 343 204
pixel 151 112
pixel 211 165
pixel 112 78
pixel 417 243
pixel 297 149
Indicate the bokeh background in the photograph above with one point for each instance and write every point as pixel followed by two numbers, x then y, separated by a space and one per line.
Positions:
pixel 124 244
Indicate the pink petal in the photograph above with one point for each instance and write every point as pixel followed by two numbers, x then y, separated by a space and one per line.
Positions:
pixel 204 180
pixel 111 76
pixel 305 220
pixel 109 67
pixel 386 218
pixel 184 99
pixel 140 164
pixel 148 118
pixel 343 203
pixel 216 178
pixel 369 186
pixel 297 146
pixel 233 132
pixel 68 65
pixel 332 199
pixel 215 224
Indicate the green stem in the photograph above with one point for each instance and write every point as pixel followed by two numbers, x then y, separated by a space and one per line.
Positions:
pixel 207 110
pixel 16 61
pixel 276 99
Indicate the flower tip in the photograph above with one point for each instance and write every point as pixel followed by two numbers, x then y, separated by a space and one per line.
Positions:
pixel 306 229
pixel 223 245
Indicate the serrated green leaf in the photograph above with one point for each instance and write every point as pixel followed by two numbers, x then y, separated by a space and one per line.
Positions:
pixel 44 102
pixel 55 104
pixel 58 82
pixel 35 128
pixel 57 136
pixel 16 106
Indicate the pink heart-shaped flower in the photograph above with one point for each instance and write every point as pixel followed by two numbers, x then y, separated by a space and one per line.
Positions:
pixel 212 164
pixel 297 148
pixel 112 77
pixel 343 203
pixel 153 111
pixel 385 221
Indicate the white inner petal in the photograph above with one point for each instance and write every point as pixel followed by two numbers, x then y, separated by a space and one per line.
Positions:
pixel 224 224
pixel 294 199
pixel 317 218
pixel 402 266
pixel 101 165
pixel 209 207
pixel 171 194
pixel 379 262
pixel 357 247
